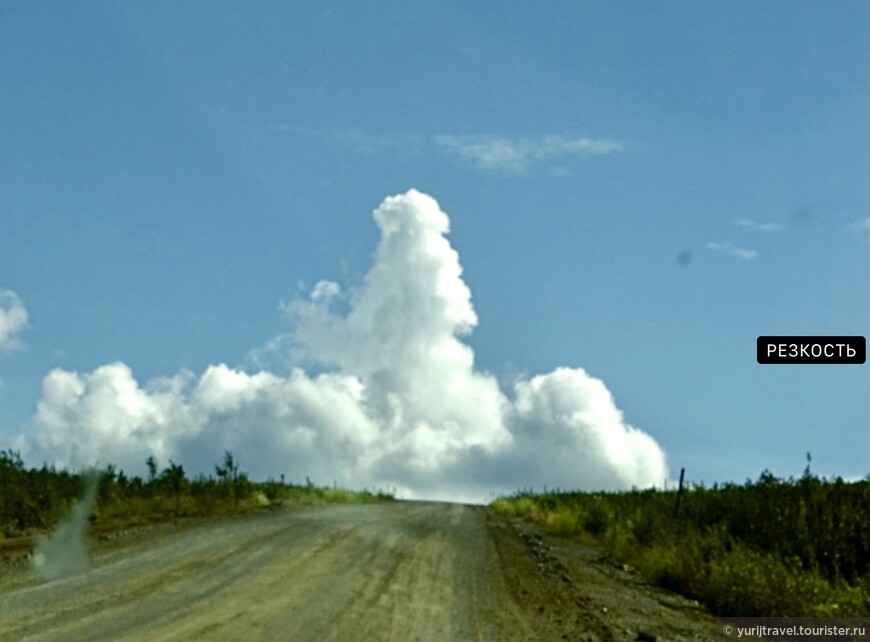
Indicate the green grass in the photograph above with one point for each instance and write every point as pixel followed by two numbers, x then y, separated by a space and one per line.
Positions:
pixel 34 500
pixel 769 548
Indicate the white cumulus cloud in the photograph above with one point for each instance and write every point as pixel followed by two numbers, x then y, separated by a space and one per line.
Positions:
pixel 398 401
pixel 13 318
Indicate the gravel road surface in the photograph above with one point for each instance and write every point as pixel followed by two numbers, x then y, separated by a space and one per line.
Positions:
pixel 398 571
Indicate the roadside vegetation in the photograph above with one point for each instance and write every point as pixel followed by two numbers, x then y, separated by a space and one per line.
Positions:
pixel 772 547
pixel 34 500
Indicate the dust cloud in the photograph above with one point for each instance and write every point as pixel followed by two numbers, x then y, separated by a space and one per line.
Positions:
pixel 65 551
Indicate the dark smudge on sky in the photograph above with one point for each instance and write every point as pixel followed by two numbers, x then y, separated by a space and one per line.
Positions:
pixel 684 258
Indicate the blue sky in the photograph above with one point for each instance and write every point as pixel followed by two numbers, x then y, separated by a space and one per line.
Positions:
pixel 174 176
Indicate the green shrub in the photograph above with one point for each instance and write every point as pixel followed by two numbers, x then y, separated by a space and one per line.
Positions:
pixel 504 507
pixel 38 498
pixel 677 566
pixel 770 547
pixel 562 522
pixel 596 519
pixel 746 583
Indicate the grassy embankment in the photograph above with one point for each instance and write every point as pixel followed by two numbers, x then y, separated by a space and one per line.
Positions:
pixel 34 500
pixel 773 547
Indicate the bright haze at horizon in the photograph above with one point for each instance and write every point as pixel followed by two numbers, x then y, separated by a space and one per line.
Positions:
pixel 608 204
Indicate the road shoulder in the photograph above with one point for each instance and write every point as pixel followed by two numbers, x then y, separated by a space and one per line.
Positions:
pixel 578 595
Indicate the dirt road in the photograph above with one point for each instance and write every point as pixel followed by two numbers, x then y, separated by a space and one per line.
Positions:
pixel 401 571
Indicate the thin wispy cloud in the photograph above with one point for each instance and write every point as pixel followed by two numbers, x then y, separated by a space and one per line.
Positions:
pixel 519 154
pixel 487 152
pixel 367 143
pixel 735 252
pixel 862 226
pixel 761 227
pixel 357 140
pixel 13 319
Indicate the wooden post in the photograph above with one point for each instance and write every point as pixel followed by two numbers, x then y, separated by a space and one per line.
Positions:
pixel 679 493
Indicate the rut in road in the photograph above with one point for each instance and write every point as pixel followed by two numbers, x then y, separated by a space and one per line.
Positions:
pixel 397 571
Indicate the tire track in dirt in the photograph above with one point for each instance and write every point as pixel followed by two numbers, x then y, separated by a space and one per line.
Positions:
pixel 397 571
